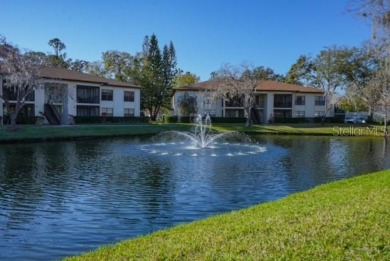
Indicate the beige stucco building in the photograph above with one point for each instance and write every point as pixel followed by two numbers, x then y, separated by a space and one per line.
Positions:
pixel 62 93
pixel 272 100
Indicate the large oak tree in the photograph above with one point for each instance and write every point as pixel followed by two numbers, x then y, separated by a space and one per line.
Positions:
pixel 20 73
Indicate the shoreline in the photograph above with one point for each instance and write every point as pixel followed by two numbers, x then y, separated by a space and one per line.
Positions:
pixel 47 133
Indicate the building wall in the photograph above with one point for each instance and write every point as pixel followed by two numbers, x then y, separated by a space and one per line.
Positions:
pixel 309 105
pixel 119 104
pixel 308 108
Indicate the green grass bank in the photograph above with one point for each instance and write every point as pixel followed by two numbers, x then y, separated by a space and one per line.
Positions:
pixel 344 220
pixel 34 133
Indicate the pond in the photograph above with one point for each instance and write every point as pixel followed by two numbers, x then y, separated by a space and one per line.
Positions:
pixel 65 198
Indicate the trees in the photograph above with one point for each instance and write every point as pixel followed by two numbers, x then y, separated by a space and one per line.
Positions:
pixel 298 70
pixel 118 65
pixel 187 104
pixel 378 12
pixel 327 71
pixel 362 67
pixel 155 72
pixel 266 73
pixel 238 84
pixel 185 79
pixel 58 59
pixel 20 73
pixel 380 83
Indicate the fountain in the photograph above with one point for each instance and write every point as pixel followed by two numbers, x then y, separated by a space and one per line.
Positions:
pixel 200 138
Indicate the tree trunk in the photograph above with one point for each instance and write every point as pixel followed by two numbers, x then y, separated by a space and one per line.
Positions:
pixel 12 117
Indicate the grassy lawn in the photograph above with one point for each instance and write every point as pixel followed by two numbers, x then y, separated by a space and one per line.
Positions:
pixel 345 220
pixel 307 129
pixel 44 133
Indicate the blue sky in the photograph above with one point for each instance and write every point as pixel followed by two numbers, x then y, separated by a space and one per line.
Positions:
pixel 206 33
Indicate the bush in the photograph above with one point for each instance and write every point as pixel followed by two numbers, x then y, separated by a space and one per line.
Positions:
pixel 190 119
pixel 103 119
pixel 21 119
pixel 228 120
pixel 291 120
pixel 329 120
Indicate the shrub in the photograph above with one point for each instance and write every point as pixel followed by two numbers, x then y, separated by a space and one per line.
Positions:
pixel 21 119
pixel 103 119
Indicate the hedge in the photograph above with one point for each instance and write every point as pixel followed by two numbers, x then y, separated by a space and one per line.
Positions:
pixel 21 119
pixel 309 120
pixel 190 119
pixel 104 119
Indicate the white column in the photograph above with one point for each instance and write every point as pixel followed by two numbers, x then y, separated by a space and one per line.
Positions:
pixel 269 106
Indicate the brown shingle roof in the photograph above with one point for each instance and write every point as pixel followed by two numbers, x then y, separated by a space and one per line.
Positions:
pixel 74 76
pixel 282 87
pixel 265 86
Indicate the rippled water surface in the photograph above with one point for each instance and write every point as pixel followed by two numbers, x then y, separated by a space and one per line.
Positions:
pixel 59 199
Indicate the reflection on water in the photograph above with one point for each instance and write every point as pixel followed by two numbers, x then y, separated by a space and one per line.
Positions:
pixel 60 199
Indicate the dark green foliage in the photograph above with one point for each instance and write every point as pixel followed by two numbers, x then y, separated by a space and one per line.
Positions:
pixel 297 71
pixel 292 120
pixel 328 120
pixel 227 120
pixel 101 119
pixel 21 119
pixel 155 72
pixel 309 120
pixel 188 119
pixel 185 79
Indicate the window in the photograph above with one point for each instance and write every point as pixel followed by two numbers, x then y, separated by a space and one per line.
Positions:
pixel 319 113
pixel 299 114
pixel 211 113
pixel 282 101
pixel 87 111
pixel 10 94
pixel 107 95
pixel 282 113
pixel 54 91
pixel 260 101
pixel 234 113
pixel 319 101
pixel 234 101
pixel 300 100
pixel 129 112
pixel 108 112
pixel 26 111
pixel 129 96
pixel 87 94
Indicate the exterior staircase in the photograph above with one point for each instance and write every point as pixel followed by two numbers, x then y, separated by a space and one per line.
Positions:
pixel 52 115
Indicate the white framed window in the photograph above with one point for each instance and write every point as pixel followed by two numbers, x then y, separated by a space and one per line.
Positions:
pixel 128 96
pixel 319 101
pixel 300 100
pixel 319 113
pixel 107 112
pixel 107 95
pixel 128 112
pixel 299 114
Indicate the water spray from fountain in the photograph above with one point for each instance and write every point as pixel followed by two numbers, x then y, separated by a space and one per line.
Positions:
pixel 203 138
